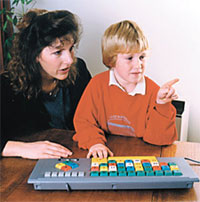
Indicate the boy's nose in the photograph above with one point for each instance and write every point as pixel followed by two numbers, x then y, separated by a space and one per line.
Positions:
pixel 137 63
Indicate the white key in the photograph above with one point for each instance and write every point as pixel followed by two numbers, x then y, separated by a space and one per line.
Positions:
pixel 112 168
pixel 67 174
pixel 80 174
pixel 74 174
pixel 94 164
pixel 47 174
pixel 137 161
pixel 129 164
pixel 154 163
pixel 61 174
pixel 54 174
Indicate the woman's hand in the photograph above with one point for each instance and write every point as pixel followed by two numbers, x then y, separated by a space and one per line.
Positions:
pixel 167 92
pixel 99 150
pixel 35 150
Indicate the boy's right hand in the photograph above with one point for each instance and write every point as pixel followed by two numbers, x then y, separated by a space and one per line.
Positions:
pixel 99 150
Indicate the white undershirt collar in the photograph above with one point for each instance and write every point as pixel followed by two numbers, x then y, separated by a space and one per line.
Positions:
pixel 139 89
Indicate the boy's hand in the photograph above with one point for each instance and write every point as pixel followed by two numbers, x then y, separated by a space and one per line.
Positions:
pixel 99 150
pixel 167 92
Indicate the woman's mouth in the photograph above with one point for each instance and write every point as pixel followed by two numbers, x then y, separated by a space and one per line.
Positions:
pixel 65 70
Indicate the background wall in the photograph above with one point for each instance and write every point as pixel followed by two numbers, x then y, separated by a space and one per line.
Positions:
pixel 172 28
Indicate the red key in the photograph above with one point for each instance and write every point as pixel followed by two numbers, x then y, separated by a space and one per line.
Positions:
pixel 66 168
pixel 156 168
pixel 94 168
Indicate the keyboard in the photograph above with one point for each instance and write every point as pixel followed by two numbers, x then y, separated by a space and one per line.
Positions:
pixel 113 173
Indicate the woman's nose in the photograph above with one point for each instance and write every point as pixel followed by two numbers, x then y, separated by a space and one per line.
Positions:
pixel 68 58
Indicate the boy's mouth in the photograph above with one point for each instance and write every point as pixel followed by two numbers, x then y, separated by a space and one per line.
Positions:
pixel 136 72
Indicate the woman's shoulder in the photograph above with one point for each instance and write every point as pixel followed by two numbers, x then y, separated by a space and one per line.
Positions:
pixel 81 65
pixel 5 81
pixel 83 72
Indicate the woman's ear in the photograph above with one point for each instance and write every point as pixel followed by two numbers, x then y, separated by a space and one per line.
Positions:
pixel 37 59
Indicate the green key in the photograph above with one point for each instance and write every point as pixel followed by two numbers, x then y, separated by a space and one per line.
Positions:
pixel 94 173
pixel 158 173
pixel 131 173
pixel 172 164
pixel 111 161
pixel 140 173
pixel 147 168
pixel 168 173
pixel 121 168
pixel 150 173
pixel 122 173
pixel 113 173
pixel 103 173
pixel 103 164
pixel 177 173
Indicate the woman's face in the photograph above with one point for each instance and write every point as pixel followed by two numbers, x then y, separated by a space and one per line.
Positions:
pixel 56 60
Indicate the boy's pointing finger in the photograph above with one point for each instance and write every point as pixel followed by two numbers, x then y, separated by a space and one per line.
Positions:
pixel 170 83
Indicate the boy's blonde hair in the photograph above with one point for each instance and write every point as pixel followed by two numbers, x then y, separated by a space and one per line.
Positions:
pixel 122 37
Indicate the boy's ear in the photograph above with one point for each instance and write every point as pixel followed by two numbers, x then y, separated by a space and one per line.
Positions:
pixel 113 61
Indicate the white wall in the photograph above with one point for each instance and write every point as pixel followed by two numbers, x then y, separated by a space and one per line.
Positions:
pixel 172 28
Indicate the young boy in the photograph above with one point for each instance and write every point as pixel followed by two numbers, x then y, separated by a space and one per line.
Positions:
pixel 122 101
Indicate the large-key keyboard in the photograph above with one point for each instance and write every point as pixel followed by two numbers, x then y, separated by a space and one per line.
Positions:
pixel 119 172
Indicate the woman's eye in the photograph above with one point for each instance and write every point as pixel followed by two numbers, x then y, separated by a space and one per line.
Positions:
pixel 58 52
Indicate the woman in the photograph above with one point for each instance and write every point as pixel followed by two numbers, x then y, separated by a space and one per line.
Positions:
pixel 43 83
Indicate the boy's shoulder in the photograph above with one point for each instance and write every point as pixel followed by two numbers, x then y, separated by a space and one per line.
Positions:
pixel 101 77
pixel 150 84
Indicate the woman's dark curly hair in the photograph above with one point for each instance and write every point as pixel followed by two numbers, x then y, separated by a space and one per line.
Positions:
pixel 38 29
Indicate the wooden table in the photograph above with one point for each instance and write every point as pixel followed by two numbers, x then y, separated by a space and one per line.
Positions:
pixel 15 172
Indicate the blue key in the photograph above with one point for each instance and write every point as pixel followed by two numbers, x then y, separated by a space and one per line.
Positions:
pixel 165 168
pixel 146 164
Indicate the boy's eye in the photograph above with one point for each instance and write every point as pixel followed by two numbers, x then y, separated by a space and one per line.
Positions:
pixel 142 57
pixel 130 58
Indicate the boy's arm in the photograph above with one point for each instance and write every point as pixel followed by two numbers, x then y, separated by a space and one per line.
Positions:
pixel 160 123
pixel 88 131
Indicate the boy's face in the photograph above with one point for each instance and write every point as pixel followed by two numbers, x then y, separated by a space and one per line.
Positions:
pixel 129 68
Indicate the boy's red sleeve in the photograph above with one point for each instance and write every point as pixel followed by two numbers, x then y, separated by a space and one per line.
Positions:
pixel 160 124
pixel 88 131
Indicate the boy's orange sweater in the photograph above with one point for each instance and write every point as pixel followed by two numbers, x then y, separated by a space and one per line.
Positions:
pixel 107 109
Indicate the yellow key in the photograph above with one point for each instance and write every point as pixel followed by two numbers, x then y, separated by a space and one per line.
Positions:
pixel 175 167
pixel 103 168
pixel 59 165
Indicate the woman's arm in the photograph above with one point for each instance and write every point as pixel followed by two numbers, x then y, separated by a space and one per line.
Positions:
pixel 35 150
